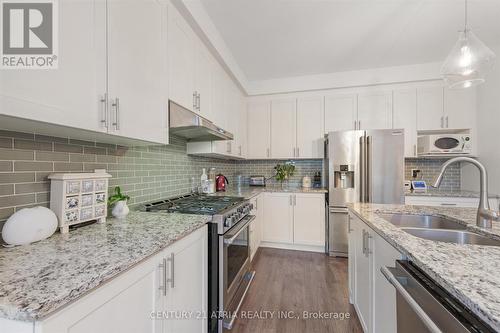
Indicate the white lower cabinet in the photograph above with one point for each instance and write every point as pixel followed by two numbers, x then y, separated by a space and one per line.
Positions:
pixel 137 300
pixel 256 225
pixel 294 221
pixel 373 296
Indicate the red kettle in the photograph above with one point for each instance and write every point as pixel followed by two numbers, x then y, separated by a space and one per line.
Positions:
pixel 220 182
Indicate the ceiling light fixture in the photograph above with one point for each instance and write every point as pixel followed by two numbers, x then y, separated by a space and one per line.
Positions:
pixel 468 61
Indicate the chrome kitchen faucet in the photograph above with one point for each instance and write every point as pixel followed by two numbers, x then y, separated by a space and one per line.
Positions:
pixel 485 215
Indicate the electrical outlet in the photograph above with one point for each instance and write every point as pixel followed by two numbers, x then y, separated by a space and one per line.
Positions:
pixel 415 173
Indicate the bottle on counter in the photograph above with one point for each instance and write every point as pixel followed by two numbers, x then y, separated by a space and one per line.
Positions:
pixel 212 175
pixel 204 181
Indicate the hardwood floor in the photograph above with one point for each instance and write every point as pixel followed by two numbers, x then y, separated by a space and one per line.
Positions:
pixel 296 281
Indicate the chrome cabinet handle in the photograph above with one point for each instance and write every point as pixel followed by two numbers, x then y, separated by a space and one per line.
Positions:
pixel 355 125
pixel 228 147
pixel 298 152
pixel 116 106
pixel 295 200
pixel 289 200
pixel 363 243
pixel 368 237
pixel 172 272
pixel 447 122
pixel 447 204
pixel 239 150
pixel 267 152
pixel 163 266
pixel 198 101
pixel 410 300
pixel 359 124
pixel 349 224
pixel 194 100
pixel 104 103
pixel 442 122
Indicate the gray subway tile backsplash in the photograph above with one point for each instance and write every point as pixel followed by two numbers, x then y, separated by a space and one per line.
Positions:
pixel 145 173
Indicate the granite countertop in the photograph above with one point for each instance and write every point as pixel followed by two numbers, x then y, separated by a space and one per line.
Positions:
pixel 38 279
pixel 432 192
pixel 249 192
pixel 469 272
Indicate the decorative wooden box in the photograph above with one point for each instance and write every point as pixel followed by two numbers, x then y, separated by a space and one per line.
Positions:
pixel 79 197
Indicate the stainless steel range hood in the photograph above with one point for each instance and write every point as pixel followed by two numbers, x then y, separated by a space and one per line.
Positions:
pixel 187 124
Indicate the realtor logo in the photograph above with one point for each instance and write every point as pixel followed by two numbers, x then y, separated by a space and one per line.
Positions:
pixel 29 34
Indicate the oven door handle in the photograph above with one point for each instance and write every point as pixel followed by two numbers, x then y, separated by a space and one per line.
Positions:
pixel 232 235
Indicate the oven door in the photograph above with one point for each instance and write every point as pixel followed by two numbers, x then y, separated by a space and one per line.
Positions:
pixel 234 264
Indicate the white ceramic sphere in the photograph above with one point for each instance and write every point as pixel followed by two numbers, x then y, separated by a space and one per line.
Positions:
pixel 29 225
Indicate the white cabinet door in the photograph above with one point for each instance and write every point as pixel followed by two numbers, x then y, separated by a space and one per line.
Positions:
pixel 283 128
pixel 375 110
pixel 310 128
pixel 259 130
pixel 460 108
pixel 242 127
pixel 181 59
pixel 430 108
pixel 220 98
pixel 137 69
pixel 405 116
pixel 363 274
pixel 187 290
pixel 203 69
pixel 384 294
pixel 278 218
pixel 127 312
pixel 341 112
pixel 352 249
pixel 309 219
pixel 69 95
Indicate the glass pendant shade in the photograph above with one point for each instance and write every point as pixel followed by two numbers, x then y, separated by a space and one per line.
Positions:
pixel 468 62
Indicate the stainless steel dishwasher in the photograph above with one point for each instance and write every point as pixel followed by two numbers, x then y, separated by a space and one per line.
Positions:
pixel 423 306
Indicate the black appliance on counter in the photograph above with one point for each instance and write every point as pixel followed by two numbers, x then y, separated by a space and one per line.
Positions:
pixel 229 274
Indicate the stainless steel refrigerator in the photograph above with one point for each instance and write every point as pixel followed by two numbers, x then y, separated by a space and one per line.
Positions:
pixel 363 166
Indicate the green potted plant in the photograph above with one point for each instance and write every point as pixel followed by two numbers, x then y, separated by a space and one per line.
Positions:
pixel 284 172
pixel 119 201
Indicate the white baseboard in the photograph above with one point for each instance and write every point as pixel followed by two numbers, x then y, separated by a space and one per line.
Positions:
pixel 296 247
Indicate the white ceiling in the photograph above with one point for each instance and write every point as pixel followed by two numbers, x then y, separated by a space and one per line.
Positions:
pixel 284 38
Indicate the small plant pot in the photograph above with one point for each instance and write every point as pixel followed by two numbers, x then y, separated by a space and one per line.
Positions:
pixel 120 210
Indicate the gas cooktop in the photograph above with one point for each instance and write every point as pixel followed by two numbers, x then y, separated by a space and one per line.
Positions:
pixel 195 204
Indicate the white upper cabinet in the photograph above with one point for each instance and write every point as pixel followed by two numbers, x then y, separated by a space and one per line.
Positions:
pixel 341 112
pixel 460 108
pixel 242 128
pixel 137 70
pixel 283 128
pixel 204 67
pixel 375 110
pixel 181 55
pixel 405 116
pixel 69 95
pixel 430 108
pixel 259 129
pixel 310 127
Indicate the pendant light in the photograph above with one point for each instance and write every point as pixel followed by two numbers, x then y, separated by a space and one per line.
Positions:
pixel 468 61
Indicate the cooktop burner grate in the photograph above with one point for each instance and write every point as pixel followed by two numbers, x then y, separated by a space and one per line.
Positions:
pixel 194 204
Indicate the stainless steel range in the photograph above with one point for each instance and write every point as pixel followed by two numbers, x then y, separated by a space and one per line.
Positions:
pixel 228 248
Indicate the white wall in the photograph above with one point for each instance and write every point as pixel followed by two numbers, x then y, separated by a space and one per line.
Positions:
pixel 488 127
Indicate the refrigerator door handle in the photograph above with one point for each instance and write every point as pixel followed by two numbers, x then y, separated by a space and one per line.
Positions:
pixel 369 145
pixel 362 168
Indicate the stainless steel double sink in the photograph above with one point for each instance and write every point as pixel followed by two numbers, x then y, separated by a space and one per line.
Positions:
pixel 438 228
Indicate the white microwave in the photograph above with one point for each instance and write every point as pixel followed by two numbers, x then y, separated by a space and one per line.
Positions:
pixel 435 144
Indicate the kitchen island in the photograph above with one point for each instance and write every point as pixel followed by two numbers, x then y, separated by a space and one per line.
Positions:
pixel 39 279
pixel 471 273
